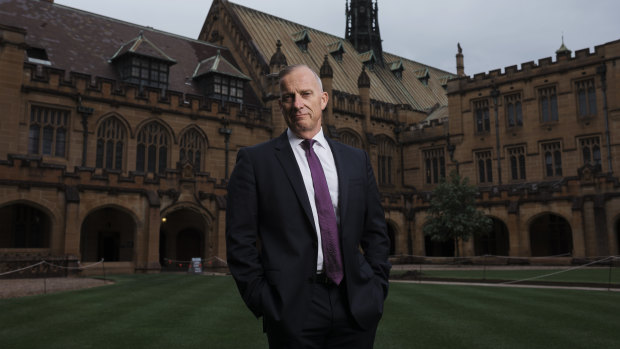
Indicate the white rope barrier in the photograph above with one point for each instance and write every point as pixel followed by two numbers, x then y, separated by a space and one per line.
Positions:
pixel 52 265
pixel 561 271
pixel 74 268
pixel 22 269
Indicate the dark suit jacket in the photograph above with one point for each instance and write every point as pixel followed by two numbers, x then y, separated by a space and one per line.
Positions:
pixel 271 238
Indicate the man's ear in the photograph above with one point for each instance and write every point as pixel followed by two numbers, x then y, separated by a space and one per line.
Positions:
pixel 324 99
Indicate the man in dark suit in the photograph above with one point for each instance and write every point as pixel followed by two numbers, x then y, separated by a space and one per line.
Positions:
pixel 315 286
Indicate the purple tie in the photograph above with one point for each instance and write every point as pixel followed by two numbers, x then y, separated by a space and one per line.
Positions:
pixel 332 260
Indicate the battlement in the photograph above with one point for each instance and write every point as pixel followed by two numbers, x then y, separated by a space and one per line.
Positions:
pixel 38 78
pixel 545 65
pixel 427 129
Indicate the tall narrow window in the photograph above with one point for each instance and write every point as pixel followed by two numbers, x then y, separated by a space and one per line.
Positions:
pixel 152 149
pixel 192 148
pixel 110 144
pixel 591 151
pixel 514 112
pixel 586 98
pixel 552 154
pixel 481 114
pixel 385 161
pixel 517 163
pixel 485 167
pixel 548 104
pixel 435 165
pixel 47 134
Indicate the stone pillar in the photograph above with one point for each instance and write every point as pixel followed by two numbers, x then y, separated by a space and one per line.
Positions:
pixel 73 227
pixel 327 77
pixel 363 84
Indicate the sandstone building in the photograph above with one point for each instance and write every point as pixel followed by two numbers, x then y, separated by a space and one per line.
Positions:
pixel 117 140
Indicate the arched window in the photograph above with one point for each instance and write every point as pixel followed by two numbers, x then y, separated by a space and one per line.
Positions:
pixel 192 148
pixel 110 144
pixel 553 159
pixel 152 150
pixel 47 134
pixel 350 138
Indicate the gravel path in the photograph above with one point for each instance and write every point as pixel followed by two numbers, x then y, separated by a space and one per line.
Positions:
pixel 10 288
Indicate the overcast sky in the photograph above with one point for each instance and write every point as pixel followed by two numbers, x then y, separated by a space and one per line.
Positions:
pixel 493 33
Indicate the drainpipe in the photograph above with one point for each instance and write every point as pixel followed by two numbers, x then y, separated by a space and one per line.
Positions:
pixel 602 70
pixel 85 112
pixel 226 131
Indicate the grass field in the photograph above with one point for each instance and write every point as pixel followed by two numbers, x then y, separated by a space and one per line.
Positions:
pixel 191 311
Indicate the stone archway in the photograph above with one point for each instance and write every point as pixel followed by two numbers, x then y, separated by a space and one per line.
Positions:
pixel 434 248
pixel 495 243
pixel 183 236
pixel 24 226
pixel 550 235
pixel 108 233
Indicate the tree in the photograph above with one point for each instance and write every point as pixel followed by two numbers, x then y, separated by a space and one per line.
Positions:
pixel 453 214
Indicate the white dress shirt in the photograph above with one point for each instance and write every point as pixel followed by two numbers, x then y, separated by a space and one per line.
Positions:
pixel 324 153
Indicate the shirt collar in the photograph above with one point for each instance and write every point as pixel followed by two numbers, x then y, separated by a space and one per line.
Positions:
pixel 296 141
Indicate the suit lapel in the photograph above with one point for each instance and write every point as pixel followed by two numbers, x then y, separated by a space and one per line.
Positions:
pixel 285 156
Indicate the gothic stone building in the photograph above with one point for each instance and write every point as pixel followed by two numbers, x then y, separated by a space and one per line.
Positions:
pixel 116 140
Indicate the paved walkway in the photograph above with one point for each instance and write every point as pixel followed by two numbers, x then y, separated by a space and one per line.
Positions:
pixel 489 284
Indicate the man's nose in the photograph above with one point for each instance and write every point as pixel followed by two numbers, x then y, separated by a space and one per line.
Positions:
pixel 298 104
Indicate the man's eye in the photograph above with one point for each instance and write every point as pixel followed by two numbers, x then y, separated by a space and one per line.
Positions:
pixel 306 93
pixel 287 98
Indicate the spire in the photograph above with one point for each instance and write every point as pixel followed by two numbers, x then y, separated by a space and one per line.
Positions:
pixel 364 79
pixel 460 66
pixel 278 58
pixel 363 27
pixel 563 50
pixel 326 69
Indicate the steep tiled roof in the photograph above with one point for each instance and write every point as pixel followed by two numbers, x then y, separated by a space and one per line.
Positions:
pixel 267 29
pixel 84 42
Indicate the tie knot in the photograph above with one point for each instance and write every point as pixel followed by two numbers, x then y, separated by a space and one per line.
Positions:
pixel 308 143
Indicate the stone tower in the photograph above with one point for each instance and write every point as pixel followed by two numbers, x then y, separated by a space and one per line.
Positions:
pixel 363 27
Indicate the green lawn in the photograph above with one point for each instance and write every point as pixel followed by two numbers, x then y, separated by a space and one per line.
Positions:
pixel 190 311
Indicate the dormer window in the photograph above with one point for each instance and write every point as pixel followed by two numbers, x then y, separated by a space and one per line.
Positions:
pixel 397 69
pixel 368 59
pixel 144 71
pixel 220 80
pixel 443 81
pixel 225 88
pixel 142 63
pixel 423 75
pixel 302 39
pixel 336 50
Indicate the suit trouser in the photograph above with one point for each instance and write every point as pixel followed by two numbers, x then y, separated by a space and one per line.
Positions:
pixel 328 324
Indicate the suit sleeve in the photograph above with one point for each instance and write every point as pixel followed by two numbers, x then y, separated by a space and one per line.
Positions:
pixel 375 241
pixel 242 233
